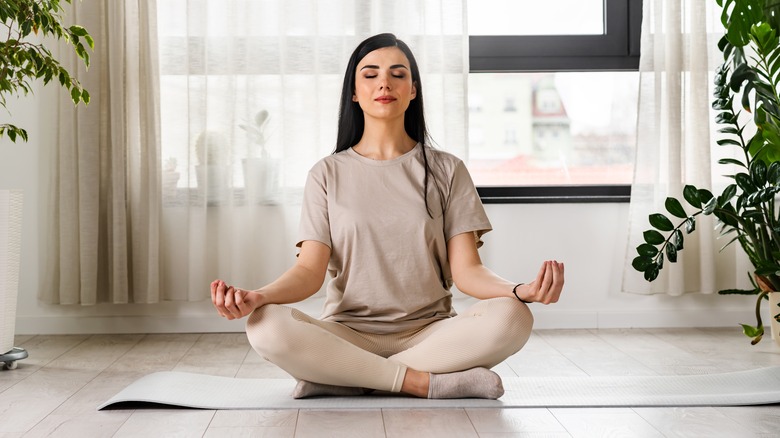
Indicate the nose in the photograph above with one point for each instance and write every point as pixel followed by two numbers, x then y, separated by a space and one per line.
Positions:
pixel 384 84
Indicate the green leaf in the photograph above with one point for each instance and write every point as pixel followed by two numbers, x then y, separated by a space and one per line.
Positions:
pixel 671 253
pixel 647 250
pixel 758 170
pixel 674 207
pixel 709 207
pixel 75 95
pixel 78 30
pixel 731 161
pixel 752 332
pixel 661 222
pixel 691 195
pixel 690 225
pixel 744 182
pixel 727 194
pixel 641 263
pixel 651 273
pixel 728 142
pixel 705 195
pixel 653 237
pixel 677 238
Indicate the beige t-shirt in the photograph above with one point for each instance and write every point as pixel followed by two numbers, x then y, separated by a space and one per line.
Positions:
pixel 388 262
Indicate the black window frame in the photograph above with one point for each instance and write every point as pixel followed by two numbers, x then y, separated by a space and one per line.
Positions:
pixel 616 50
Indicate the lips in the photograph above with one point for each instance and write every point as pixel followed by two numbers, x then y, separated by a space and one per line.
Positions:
pixel 385 99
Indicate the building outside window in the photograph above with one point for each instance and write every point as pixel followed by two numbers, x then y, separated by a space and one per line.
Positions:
pixel 572 81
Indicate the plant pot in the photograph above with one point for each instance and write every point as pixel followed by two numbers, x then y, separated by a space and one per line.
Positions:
pixel 261 180
pixel 170 180
pixel 213 183
pixel 774 302
pixel 10 252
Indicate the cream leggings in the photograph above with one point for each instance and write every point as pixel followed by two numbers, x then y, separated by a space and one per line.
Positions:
pixel 332 353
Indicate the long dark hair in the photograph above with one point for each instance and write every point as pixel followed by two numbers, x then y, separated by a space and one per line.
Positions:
pixel 351 120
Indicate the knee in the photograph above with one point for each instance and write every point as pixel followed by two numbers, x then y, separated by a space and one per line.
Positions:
pixel 265 329
pixel 513 322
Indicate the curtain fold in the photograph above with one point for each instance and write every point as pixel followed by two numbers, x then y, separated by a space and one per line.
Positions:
pixel 675 144
pixel 102 241
pixel 249 102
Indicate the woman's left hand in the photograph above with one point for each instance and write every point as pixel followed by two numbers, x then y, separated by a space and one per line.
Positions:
pixel 547 286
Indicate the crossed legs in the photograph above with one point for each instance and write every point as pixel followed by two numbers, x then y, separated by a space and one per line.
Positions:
pixel 330 353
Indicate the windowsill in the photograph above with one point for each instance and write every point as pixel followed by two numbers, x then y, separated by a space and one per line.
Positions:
pixel 554 194
pixel 562 194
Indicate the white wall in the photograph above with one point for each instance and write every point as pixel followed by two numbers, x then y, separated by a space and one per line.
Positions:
pixel 589 238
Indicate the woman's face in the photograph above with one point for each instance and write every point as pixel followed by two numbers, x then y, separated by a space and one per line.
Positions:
pixel 383 84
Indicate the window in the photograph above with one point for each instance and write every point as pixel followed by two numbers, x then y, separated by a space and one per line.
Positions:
pixel 565 87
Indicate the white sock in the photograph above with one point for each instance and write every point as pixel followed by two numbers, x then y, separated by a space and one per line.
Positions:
pixel 473 383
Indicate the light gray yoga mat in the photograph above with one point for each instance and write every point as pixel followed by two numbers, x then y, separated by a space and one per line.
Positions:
pixel 753 387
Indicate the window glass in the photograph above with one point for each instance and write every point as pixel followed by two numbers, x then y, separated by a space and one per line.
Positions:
pixel 534 17
pixel 552 128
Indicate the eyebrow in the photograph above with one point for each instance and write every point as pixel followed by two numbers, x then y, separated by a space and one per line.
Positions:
pixel 394 66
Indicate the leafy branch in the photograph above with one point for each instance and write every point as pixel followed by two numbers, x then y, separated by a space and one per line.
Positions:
pixel 23 61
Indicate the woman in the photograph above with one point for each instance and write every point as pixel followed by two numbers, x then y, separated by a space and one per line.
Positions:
pixel 395 222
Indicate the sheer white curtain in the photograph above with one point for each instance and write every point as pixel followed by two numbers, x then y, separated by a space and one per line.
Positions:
pixel 676 143
pixel 100 241
pixel 250 92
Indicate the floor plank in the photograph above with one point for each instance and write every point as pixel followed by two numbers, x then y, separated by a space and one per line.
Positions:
pixel 526 421
pixel 428 423
pixel 528 361
pixel 603 422
pixel 694 421
pixel 166 422
pixel 340 424
pixel 219 354
pixel 593 355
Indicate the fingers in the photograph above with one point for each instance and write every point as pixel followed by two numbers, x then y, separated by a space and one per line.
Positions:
pixel 228 300
pixel 549 282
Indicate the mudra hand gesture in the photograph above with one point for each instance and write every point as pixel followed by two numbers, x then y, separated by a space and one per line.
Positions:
pixel 547 286
pixel 232 302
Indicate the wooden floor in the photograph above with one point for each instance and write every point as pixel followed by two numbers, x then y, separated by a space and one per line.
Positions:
pixel 55 391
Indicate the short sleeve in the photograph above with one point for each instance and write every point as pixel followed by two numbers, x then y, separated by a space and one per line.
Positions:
pixel 464 211
pixel 315 223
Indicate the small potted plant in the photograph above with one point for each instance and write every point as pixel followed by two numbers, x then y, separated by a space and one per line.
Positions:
pixel 747 81
pixel 261 171
pixel 170 179
pixel 213 170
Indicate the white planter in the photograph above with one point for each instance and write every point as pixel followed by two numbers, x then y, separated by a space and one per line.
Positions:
pixel 261 180
pixel 774 301
pixel 10 253
pixel 213 182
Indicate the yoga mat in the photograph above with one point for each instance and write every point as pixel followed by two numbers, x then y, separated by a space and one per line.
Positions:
pixel 753 387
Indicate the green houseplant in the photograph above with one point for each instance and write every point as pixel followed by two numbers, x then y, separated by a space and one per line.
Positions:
pixel 747 87
pixel 24 59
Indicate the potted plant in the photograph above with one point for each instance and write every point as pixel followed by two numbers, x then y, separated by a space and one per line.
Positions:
pixel 746 82
pixel 213 170
pixel 23 60
pixel 261 171
pixel 170 179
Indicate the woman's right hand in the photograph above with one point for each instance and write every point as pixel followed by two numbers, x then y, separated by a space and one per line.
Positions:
pixel 232 302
